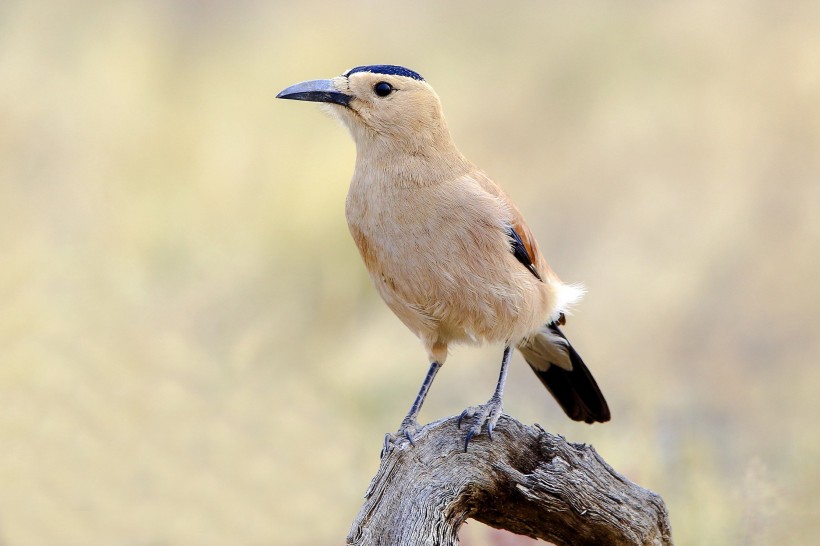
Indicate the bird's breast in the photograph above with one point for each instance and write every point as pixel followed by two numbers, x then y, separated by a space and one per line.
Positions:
pixel 398 232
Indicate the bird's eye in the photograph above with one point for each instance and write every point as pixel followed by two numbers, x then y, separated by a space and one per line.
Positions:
pixel 383 89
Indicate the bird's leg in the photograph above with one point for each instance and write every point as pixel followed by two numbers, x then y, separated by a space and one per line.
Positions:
pixel 491 411
pixel 409 426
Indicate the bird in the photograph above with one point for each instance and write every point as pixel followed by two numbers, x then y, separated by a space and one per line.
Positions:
pixel 446 248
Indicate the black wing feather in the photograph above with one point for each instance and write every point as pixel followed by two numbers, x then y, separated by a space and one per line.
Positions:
pixel 520 251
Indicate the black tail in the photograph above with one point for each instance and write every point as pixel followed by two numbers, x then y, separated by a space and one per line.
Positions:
pixel 565 375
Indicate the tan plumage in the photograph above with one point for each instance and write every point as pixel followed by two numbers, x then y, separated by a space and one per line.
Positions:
pixel 435 235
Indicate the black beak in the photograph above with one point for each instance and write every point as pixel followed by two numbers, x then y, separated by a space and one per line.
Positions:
pixel 315 91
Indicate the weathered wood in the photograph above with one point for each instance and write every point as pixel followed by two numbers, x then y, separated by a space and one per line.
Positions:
pixel 525 480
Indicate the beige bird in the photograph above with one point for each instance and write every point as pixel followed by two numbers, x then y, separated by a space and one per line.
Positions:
pixel 447 249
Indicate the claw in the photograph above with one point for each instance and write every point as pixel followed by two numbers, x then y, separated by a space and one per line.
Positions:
pixel 490 430
pixel 461 418
pixel 409 437
pixel 467 439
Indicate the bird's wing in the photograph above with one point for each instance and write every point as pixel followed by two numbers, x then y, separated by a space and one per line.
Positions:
pixel 522 241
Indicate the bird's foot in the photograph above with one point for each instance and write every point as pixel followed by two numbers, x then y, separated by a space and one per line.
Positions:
pixel 484 413
pixel 408 430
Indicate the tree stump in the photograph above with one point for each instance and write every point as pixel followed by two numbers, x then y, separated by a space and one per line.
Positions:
pixel 525 480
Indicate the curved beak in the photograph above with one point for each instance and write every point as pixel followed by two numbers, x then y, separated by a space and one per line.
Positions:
pixel 315 91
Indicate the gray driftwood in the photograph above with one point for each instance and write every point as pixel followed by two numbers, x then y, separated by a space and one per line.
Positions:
pixel 525 480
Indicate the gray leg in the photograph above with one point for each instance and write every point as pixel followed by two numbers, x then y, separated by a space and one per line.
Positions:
pixel 409 426
pixel 491 411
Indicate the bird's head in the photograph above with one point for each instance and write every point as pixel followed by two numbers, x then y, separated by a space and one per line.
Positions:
pixel 385 105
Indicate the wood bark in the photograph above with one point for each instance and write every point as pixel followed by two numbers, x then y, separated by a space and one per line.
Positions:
pixel 525 480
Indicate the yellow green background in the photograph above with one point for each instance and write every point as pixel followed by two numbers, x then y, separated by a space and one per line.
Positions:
pixel 191 351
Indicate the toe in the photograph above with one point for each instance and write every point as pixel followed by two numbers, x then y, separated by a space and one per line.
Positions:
pixel 474 431
pixel 389 443
pixel 466 414
pixel 469 437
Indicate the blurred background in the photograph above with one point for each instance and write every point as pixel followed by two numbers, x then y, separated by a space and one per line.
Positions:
pixel 191 351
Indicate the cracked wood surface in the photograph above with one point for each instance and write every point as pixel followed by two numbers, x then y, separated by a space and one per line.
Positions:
pixel 525 480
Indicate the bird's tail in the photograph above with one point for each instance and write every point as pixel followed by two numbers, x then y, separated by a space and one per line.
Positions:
pixel 565 375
